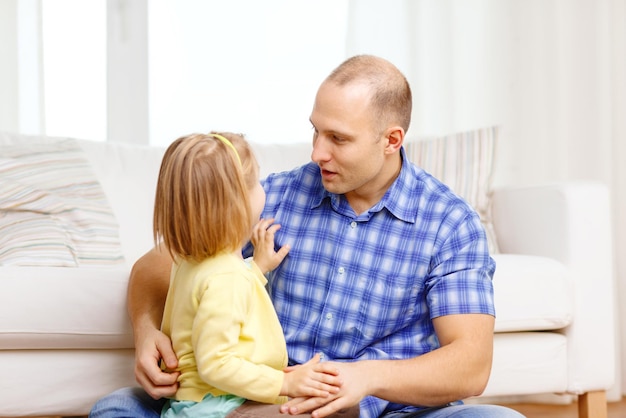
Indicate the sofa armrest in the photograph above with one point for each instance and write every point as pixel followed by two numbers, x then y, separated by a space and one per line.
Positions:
pixel 570 222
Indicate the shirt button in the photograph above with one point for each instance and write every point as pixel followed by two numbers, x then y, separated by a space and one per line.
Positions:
pixel 329 316
pixel 341 270
pixel 353 224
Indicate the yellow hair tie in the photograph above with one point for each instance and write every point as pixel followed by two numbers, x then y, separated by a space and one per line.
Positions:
pixel 228 143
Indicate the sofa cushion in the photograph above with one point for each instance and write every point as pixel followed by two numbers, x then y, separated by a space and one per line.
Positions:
pixel 464 162
pixel 67 382
pixel 532 293
pixel 47 187
pixel 128 174
pixel 528 362
pixel 60 307
pixel 30 239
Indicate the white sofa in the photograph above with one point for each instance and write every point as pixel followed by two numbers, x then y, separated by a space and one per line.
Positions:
pixel 65 339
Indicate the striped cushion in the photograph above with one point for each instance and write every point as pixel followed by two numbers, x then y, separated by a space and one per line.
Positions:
pixel 53 211
pixel 464 162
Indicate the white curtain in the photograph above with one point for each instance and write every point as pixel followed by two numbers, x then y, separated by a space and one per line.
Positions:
pixel 552 73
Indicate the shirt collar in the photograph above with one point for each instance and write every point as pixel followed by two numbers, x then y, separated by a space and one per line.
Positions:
pixel 397 200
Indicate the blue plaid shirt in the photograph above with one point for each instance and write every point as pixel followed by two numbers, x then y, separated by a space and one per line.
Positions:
pixel 367 286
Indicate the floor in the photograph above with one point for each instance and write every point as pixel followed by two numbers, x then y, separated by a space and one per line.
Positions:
pixel 615 410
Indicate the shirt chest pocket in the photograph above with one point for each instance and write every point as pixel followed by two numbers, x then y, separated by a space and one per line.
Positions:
pixel 389 304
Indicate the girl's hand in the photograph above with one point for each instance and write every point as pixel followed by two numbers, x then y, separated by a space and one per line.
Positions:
pixel 311 379
pixel 356 383
pixel 265 257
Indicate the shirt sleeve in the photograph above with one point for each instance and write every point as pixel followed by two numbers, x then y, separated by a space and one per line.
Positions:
pixel 216 336
pixel 461 280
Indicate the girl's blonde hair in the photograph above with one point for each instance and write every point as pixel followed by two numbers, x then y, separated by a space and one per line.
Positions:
pixel 201 204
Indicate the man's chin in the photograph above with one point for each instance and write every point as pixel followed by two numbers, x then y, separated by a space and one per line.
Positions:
pixel 332 187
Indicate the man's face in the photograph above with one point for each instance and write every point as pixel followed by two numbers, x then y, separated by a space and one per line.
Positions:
pixel 346 144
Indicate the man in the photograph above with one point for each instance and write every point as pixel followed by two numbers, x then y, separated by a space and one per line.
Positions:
pixel 388 275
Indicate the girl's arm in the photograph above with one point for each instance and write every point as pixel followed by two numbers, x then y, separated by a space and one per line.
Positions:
pixel 216 337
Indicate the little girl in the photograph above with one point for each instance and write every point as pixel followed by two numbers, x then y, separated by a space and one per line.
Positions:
pixel 222 324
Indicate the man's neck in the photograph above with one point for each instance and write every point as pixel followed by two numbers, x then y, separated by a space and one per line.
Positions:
pixel 369 195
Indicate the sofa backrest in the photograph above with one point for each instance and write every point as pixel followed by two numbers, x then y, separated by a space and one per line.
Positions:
pixel 128 175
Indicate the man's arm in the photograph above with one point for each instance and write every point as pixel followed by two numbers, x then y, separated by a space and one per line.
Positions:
pixel 459 369
pixel 147 290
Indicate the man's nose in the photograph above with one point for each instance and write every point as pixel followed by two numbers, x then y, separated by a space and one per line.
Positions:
pixel 320 151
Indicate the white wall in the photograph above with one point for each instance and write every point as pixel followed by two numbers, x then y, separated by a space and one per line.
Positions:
pixel 213 65
pixel 127 71
pixel 8 68
pixel 618 169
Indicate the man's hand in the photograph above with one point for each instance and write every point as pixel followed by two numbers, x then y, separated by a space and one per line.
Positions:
pixel 355 384
pixel 149 350
pixel 265 257
pixel 147 290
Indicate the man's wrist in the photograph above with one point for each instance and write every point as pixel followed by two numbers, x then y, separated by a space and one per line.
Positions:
pixel 142 327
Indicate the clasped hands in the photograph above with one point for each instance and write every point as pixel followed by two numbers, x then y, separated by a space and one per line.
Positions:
pixel 350 388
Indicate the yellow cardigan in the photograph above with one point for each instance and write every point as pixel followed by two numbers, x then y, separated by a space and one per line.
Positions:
pixel 224 330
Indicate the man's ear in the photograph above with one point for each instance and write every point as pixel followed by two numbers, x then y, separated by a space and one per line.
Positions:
pixel 395 139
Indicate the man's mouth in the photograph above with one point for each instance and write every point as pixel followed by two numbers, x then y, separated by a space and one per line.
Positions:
pixel 327 174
